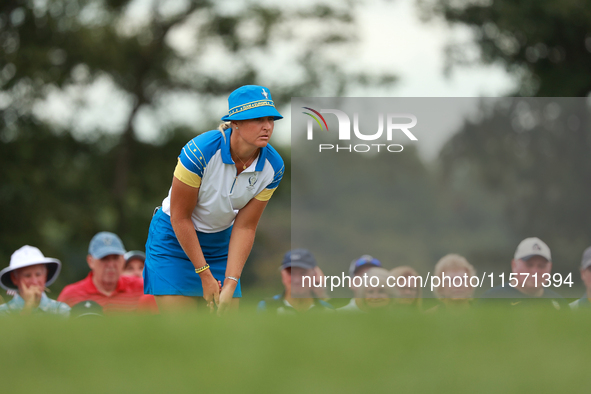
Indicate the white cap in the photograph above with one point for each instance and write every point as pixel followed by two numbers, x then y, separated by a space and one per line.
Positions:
pixel 25 257
pixel 530 247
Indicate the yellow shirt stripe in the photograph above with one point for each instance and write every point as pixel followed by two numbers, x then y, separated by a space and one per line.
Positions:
pixel 186 176
pixel 265 195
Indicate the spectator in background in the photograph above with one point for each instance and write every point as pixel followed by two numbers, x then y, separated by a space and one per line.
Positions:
pixel 28 274
pixel 134 263
pixel 104 284
pixel 298 296
pixel 447 269
pixel 583 302
pixel 532 257
pixel 372 296
pixel 408 294
pixel 359 267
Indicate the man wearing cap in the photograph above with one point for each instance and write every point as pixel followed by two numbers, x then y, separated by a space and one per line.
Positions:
pixel 583 302
pixel 359 267
pixel 532 257
pixel 298 296
pixel 29 273
pixel 104 284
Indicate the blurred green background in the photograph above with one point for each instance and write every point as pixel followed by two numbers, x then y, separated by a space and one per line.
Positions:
pixel 65 174
pixel 515 169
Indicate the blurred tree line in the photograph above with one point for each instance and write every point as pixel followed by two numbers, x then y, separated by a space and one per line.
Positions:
pixel 59 185
pixel 544 44
pixel 394 207
pixel 534 156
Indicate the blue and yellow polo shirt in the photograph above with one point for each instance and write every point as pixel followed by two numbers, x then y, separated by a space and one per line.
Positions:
pixel 205 163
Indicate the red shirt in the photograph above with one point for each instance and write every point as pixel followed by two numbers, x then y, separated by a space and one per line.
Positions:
pixel 128 296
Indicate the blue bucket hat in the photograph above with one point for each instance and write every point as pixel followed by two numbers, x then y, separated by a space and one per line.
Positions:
pixel 251 102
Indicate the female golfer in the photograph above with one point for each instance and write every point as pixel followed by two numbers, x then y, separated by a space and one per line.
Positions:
pixel 204 231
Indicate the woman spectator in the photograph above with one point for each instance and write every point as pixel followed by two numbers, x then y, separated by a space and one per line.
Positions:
pixel 450 269
pixel 373 296
pixel 408 294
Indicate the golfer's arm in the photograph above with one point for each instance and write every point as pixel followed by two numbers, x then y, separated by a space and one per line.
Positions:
pixel 242 238
pixel 183 199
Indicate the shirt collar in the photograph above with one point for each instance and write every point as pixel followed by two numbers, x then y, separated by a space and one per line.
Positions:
pixel 227 156
pixel 261 160
pixel 18 302
pixel 44 303
pixel 287 304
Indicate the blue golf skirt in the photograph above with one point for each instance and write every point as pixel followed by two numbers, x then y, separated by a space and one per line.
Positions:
pixel 168 270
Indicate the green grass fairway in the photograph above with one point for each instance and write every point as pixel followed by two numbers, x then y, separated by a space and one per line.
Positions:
pixel 483 351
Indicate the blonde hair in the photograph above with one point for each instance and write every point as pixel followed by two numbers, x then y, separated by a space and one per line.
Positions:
pixel 454 261
pixel 224 126
pixel 450 262
pixel 405 271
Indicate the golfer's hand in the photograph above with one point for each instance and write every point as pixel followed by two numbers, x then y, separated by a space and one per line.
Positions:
pixel 226 296
pixel 225 300
pixel 211 290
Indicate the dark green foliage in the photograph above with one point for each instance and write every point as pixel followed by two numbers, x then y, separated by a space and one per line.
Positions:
pixel 541 174
pixel 544 43
pixel 533 155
